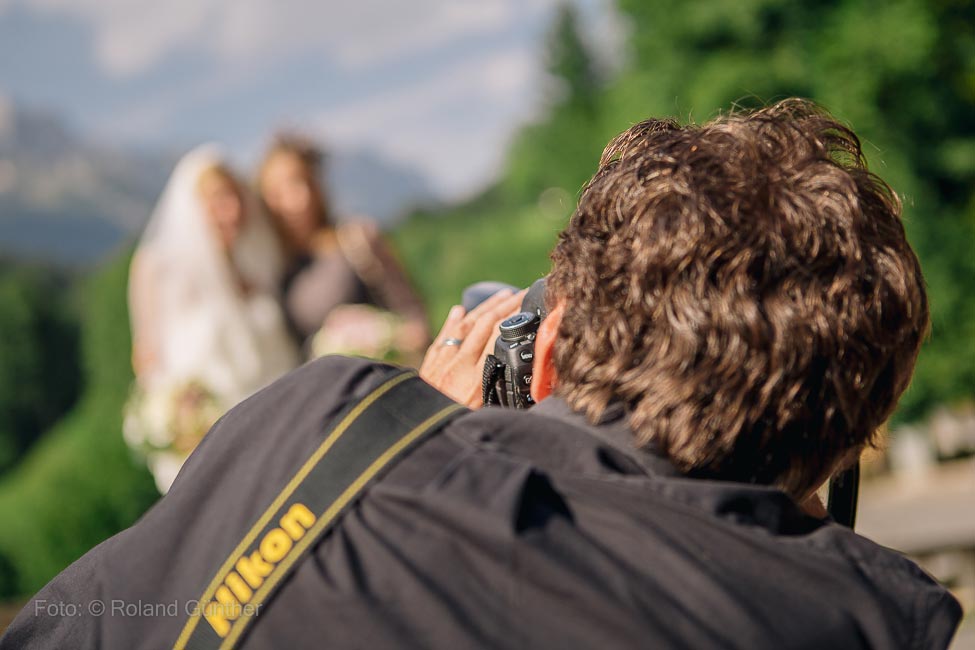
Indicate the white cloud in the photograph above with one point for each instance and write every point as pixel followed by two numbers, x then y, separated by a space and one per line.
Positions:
pixel 132 35
pixel 452 126
pixel 410 33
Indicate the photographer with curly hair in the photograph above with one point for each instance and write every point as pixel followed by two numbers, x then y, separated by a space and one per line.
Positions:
pixel 732 313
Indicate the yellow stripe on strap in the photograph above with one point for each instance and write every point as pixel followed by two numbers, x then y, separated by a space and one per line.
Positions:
pixel 279 501
pixel 333 510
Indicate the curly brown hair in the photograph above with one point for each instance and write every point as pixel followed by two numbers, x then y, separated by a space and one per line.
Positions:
pixel 746 289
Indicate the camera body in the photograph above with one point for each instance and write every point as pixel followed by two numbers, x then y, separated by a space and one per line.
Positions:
pixel 514 350
pixel 508 372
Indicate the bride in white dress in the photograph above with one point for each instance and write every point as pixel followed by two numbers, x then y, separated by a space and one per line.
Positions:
pixel 207 329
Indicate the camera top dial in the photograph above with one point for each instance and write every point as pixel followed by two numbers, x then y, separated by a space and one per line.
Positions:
pixel 519 326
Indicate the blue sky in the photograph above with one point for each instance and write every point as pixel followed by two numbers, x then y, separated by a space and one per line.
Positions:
pixel 436 84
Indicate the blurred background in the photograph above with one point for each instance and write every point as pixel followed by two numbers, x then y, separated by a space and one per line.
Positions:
pixel 467 130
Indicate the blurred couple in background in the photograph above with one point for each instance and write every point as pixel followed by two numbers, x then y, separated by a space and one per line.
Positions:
pixel 232 287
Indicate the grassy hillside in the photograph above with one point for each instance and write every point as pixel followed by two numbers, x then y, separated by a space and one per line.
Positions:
pixel 448 251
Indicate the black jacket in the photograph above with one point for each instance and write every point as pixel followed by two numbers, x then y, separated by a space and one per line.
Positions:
pixel 507 530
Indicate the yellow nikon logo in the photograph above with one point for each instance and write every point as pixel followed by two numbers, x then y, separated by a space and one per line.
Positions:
pixel 238 586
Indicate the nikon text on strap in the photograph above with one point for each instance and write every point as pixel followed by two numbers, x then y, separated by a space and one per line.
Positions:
pixel 361 445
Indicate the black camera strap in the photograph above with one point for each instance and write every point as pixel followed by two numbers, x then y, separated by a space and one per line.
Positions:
pixel 493 371
pixel 844 491
pixel 362 445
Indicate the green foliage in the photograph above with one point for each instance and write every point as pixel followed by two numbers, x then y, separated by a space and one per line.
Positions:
pixel 448 251
pixel 39 360
pixel 901 73
pixel 78 485
pixel 570 64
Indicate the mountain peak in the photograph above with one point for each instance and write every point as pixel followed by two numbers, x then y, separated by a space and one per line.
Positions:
pixel 66 197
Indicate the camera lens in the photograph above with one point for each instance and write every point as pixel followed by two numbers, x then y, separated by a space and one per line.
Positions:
pixel 518 326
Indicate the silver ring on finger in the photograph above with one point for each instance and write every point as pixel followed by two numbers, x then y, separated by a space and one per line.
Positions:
pixel 447 343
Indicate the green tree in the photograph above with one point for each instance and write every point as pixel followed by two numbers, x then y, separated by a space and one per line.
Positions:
pixel 561 150
pixel 78 484
pixel 571 66
pixel 39 359
pixel 902 73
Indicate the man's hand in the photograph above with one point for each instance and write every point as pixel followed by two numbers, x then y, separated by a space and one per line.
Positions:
pixel 454 363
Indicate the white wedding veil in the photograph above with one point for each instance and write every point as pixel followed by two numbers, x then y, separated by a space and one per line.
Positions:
pixel 185 298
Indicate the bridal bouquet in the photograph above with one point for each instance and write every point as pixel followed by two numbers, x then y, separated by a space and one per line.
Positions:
pixel 164 425
pixel 361 330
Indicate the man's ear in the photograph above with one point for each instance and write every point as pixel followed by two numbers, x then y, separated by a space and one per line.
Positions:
pixel 544 377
